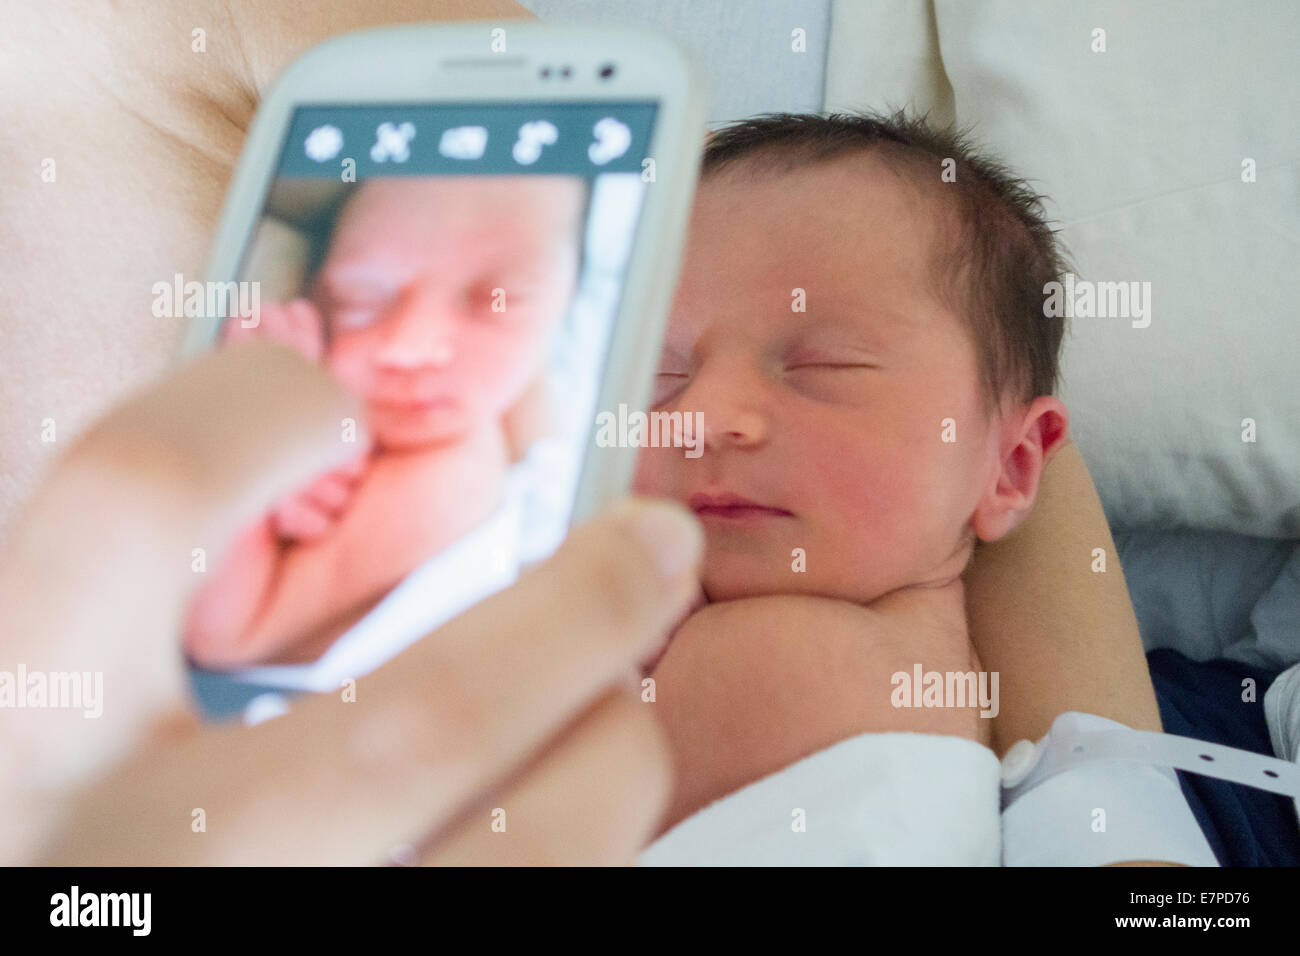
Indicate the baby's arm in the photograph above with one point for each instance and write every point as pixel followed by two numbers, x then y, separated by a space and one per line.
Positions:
pixel 408 507
pixel 222 627
pixel 747 687
pixel 226 605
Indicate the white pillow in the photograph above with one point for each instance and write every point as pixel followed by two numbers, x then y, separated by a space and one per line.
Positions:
pixel 1141 150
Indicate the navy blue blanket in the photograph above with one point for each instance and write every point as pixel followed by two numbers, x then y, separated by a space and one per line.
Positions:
pixel 1245 826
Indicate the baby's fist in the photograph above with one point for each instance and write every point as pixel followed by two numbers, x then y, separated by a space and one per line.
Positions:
pixel 309 514
pixel 296 324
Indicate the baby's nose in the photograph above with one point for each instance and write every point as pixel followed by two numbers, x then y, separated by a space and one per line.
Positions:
pixel 736 427
pixel 731 405
pixel 418 335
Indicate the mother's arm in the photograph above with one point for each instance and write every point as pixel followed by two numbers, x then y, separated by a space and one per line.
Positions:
pixel 1061 636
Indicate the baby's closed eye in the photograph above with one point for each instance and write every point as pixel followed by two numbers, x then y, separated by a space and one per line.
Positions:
pixel 828 377
pixel 667 385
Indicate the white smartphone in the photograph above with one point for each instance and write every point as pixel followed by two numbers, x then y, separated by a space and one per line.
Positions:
pixel 476 227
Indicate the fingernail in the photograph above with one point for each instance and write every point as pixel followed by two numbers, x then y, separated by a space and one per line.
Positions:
pixel 673 536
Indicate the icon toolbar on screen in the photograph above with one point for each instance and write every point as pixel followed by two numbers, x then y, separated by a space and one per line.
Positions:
pixel 463 142
pixel 612 140
pixel 392 141
pixel 532 137
pixel 323 143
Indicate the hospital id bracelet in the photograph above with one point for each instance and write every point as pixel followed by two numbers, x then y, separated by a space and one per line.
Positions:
pixel 1077 739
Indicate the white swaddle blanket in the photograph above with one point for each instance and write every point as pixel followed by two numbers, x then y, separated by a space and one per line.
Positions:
pixel 895 799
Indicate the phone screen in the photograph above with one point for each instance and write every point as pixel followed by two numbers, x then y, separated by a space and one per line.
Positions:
pixel 458 268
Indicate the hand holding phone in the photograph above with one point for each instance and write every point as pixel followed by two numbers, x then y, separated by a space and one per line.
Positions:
pixel 481 249
pixel 325 784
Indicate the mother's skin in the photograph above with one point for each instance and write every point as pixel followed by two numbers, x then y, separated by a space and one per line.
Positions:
pixel 144 134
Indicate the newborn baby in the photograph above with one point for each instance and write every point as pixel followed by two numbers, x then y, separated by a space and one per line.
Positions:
pixel 402 313
pixel 860 321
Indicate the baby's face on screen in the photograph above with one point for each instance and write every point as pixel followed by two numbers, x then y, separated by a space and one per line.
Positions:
pixel 829 420
pixel 440 294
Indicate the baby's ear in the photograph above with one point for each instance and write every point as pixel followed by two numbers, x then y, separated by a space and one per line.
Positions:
pixel 1029 439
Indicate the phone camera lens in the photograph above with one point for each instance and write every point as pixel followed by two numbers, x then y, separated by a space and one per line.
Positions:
pixel 566 72
pixel 606 71
pixel 546 72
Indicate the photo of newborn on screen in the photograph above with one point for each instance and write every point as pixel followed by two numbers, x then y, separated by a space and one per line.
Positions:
pixel 469 315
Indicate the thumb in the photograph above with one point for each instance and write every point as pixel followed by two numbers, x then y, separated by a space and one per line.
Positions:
pixel 232 432
pixel 97 573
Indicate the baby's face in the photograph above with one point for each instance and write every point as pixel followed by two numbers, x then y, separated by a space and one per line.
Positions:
pixel 407 293
pixel 832 418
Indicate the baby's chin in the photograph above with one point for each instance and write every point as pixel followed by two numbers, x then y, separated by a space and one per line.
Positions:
pixel 400 432
pixel 728 577
pixel 400 441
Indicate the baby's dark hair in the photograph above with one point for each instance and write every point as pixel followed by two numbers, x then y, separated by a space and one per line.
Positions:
pixel 995 264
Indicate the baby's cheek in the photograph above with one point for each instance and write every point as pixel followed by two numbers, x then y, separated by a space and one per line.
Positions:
pixel 348 362
pixel 655 473
pixel 869 513
pixel 863 492
pixel 499 365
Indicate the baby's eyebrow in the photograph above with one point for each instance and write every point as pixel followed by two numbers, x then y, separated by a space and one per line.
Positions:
pixel 860 331
pixel 872 322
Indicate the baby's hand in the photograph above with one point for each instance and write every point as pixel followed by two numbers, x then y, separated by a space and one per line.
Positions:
pixel 309 514
pixel 296 324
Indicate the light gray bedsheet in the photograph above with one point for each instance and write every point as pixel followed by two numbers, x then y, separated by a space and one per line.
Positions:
pixel 1215 595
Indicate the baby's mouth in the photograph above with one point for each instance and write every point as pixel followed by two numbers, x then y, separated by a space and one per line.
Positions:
pixel 415 405
pixel 733 508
